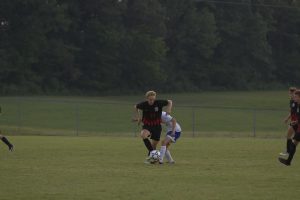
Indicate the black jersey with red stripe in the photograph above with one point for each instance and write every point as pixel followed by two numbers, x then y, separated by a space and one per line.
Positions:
pixel 152 113
pixel 293 107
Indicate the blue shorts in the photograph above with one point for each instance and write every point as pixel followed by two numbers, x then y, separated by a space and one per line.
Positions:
pixel 177 135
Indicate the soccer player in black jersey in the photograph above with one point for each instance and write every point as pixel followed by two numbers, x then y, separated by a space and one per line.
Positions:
pixel 291 117
pixel 151 118
pixel 296 138
pixel 5 140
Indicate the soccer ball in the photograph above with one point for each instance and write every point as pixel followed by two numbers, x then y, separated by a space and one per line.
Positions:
pixel 154 156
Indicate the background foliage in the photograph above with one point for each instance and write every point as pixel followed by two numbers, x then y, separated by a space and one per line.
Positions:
pixel 116 46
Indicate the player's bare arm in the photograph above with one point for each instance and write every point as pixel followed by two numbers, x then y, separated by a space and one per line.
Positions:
pixel 137 118
pixel 286 120
pixel 169 107
pixel 174 122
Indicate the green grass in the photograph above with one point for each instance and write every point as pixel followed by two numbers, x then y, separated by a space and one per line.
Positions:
pixel 72 168
pixel 111 115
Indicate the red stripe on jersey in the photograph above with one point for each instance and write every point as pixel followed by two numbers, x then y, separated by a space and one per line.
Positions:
pixel 155 122
pixel 294 117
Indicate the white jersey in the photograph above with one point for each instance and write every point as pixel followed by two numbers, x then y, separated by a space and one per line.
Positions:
pixel 167 119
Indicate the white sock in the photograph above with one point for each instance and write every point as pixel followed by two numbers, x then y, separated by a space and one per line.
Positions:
pixel 162 153
pixel 168 156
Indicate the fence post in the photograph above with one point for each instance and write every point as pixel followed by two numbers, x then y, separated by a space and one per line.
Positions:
pixel 193 121
pixel 76 119
pixel 254 123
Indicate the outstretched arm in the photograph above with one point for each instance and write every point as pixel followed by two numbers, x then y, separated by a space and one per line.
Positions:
pixel 287 118
pixel 169 107
pixel 137 117
pixel 174 122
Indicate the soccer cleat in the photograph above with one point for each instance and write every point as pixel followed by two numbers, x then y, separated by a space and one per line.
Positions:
pixel 11 147
pixel 283 161
pixel 149 161
pixel 171 161
pixel 284 154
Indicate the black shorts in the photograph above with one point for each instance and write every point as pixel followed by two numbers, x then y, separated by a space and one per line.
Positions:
pixel 295 127
pixel 297 136
pixel 155 132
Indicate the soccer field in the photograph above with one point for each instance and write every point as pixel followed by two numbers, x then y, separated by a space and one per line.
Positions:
pixel 68 168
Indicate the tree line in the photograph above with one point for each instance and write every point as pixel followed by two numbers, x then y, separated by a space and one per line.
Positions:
pixel 99 47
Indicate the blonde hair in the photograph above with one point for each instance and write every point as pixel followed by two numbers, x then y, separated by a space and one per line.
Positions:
pixel 292 89
pixel 150 94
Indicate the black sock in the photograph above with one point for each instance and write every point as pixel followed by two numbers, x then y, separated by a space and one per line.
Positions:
pixel 4 139
pixel 288 144
pixel 148 144
pixel 292 152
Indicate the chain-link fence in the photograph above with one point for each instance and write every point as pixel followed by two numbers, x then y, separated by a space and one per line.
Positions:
pixel 46 116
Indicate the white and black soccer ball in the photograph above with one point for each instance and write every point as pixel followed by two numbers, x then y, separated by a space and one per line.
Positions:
pixel 155 156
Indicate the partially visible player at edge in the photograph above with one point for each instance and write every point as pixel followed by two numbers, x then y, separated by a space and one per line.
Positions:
pixel 5 140
pixel 151 118
pixel 291 117
pixel 296 138
pixel 173 133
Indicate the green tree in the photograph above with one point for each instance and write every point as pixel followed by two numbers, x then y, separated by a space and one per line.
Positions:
pixel 191 39
pixel 285 42
pixel 143 47
pixel 244 52
pixel 34 31
pixel 97 32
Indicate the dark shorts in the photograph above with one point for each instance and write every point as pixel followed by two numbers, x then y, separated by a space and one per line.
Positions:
pixel 297 136
pixel 155 132
pixel 295 127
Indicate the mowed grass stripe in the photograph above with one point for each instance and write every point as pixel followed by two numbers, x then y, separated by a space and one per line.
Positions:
pixel 112 168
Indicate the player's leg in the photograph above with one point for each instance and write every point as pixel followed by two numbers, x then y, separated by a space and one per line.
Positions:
pixel 165 143
pixel 154 144
pixel 145 136
pixel 169 157
pixel 173 139
pixel 5 140
pixel 289 140
pixel 155 136
pixel 293 147
pixel 292 150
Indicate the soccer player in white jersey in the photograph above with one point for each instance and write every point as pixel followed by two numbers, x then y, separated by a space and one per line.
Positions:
pixel 173 133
